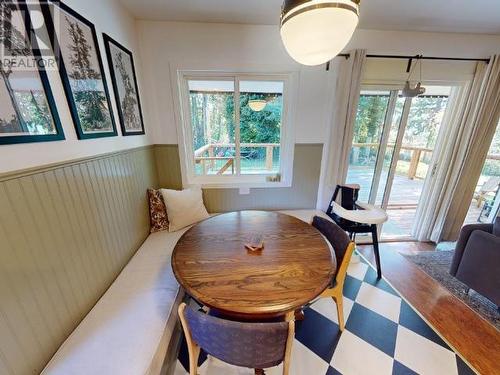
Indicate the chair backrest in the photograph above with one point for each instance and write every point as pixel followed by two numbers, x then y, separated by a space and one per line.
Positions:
pixel 343 247
pixel 337 237
pixel 252 345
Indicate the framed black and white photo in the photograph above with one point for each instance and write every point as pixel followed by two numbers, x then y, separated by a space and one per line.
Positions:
pixel 27 108
pixel 75 43
pixel 121 66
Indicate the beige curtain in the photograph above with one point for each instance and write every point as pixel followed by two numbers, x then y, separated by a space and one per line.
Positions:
pixel 450 146
pixel 464 143
pixel 483 118
pixel 346 97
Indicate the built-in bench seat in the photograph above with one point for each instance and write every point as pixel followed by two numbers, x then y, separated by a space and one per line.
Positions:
pixel 129 330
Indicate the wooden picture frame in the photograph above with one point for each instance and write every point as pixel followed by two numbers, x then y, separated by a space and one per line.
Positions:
pixel 83 79
pixel 122 70
pixel 32 111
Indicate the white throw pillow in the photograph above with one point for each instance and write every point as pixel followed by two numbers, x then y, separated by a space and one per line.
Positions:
pixel 184 207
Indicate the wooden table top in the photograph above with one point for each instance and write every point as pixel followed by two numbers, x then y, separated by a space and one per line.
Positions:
pixel 212 264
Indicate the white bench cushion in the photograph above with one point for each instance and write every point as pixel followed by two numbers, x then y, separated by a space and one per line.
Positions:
pixel 129 329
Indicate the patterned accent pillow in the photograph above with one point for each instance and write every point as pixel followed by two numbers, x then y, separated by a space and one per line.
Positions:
pixel 157 211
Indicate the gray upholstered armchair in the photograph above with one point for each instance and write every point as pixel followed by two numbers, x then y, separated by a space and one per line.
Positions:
pixel 477 259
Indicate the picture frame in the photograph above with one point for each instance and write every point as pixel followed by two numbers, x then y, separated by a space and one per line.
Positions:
pixel 122 70
pixel 81 70
pixel 26 94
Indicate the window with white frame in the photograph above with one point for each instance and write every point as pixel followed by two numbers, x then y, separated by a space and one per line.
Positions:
pixel 235 129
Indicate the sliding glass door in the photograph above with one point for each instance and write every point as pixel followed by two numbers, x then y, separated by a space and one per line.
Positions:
pixel 394 139
pixel 370 122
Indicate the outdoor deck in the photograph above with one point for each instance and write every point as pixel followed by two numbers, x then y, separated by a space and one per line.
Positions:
pixel 404 190
pixel 255 158
pixel 403 201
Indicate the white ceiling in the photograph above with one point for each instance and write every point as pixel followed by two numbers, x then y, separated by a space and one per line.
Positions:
pixel 467 16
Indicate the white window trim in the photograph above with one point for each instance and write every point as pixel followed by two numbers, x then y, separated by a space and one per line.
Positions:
pixel 184 135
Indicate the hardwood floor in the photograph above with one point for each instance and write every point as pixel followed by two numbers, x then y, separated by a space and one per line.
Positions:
pixel 477 341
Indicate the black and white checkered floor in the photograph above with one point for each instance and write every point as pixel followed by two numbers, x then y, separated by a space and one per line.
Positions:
pixel 383 335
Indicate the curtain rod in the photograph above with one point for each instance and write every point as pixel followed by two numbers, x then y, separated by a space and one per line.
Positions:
pixel 417 57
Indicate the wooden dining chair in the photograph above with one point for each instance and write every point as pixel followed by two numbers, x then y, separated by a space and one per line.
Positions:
pixel 343 248
pixel 251 345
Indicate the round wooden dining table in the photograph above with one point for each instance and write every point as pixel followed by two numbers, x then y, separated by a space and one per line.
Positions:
pixel 212 264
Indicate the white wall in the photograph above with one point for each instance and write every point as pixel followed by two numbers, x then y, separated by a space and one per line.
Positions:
pixel 110 17
pixel 167 45
pixel 430 44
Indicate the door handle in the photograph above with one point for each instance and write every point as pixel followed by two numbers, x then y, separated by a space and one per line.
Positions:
pixel 434 168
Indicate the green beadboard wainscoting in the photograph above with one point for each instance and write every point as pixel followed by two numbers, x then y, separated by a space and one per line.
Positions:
pixel 66 231
pixel 302 194
pixel 168 166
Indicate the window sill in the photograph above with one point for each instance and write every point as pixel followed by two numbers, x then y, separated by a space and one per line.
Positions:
pixel 238 185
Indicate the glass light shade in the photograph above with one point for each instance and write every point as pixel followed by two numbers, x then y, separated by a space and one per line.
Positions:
pixel 316 31
pixel 257 105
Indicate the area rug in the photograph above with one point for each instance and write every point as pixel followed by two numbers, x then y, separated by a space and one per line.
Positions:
pixel 437 265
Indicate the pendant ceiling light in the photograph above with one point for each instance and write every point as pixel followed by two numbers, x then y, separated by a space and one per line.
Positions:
pixel 315 31
pixel 257 105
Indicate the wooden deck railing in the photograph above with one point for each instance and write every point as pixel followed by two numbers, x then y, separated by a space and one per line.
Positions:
pixel 416 154
pixel 209 161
